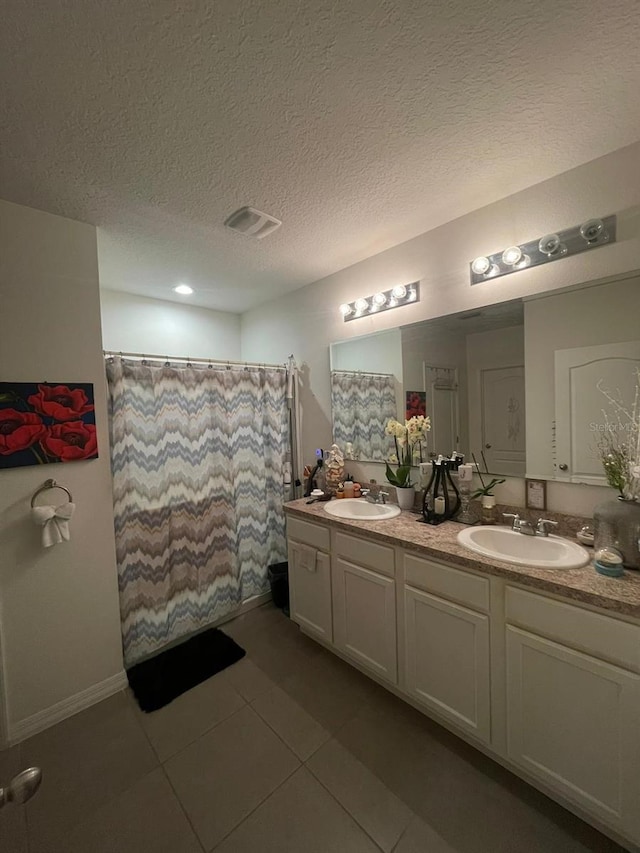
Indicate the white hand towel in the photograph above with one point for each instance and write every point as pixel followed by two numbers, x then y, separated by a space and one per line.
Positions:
pixel 54 521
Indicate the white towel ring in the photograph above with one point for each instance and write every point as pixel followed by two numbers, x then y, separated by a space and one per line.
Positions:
pixel 49 484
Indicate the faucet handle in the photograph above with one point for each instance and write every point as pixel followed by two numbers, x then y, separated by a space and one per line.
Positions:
pixel 544 524
pixel 516 519
pixel 383 495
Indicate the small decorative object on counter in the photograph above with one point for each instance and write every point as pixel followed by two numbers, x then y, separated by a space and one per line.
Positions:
pixel 608 562
pixel 465 481
pixel 489 515
pixel 334 466
pixel 585 535
pixel 441 500
pixel 340 490
pixel 357 490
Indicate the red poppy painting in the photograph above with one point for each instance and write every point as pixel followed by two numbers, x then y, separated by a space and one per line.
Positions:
pixel 416 404
pixel 46 422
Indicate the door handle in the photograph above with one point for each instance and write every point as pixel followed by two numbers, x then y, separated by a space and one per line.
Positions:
pixel 563 467
pixel 488 446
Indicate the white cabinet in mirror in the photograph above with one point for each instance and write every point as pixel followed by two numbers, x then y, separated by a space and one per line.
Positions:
pixel 513 383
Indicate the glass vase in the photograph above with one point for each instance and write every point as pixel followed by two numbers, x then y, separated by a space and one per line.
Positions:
pixel 617 524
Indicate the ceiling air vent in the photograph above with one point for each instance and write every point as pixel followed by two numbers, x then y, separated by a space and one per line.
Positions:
pixel 252 222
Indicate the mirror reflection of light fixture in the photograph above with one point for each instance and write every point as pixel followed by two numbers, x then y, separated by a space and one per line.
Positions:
pixel 592 234
pixel 383 300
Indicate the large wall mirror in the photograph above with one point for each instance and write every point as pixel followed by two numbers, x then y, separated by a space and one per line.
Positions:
pixel 516 384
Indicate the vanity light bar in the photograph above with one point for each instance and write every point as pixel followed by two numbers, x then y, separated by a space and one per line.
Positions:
pixel 551 247
pixel 384 300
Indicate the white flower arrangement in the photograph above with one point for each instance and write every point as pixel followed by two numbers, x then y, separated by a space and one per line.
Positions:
pixel 619 446
pixel 408 438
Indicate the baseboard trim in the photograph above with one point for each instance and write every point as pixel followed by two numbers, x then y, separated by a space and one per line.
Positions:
pixel 66 708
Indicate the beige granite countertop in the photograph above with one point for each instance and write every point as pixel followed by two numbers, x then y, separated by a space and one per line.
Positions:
pixel 620 595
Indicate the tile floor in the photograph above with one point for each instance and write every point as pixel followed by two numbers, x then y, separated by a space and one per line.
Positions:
pixel 289 751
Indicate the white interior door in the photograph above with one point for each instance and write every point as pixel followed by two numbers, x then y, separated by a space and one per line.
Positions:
pixel 580 421
pixel 503 419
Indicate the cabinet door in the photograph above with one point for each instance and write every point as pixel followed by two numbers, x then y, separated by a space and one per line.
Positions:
pixel 447 660
pixel 364 607
pixel 572 721
pixel 310 590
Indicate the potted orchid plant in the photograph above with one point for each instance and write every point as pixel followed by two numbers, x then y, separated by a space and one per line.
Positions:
pixel 408 438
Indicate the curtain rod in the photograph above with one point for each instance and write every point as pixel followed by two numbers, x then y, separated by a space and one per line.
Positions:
pixel 212 361
pixel 361 373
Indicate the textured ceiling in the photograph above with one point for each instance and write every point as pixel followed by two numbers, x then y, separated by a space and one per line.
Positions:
pixel 359 124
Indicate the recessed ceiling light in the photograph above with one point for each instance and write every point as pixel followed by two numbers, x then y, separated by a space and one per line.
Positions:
pixel 183 289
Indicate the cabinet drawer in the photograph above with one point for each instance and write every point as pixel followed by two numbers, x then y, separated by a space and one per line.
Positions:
pixel 309 534
pixel 599 635
pixel 380 558
pixel 454 584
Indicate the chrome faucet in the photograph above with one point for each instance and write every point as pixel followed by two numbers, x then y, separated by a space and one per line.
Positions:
pixel 543 525
pixel 521 525
pixel 374 494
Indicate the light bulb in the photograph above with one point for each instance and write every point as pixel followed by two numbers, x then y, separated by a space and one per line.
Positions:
pixel 379 299
pixel 399 291
pixel 511 256
pixel 412 295
pixel 524 261
pixel 593 230
pixel 346 309
pixel 361 305
pixel 183 289
pixel 481 265
pixel 549 244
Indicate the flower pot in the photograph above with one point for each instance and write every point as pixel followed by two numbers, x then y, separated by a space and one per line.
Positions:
pixel 617 523
pixel 406 497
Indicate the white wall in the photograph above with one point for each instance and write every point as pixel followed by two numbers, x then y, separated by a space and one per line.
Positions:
pixel 138 324
pixel 59 611
pixel 306 321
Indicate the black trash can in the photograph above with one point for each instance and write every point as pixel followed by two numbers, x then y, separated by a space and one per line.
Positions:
pixel 278 575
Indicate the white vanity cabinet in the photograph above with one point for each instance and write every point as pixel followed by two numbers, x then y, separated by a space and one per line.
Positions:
pixel 573 704
pixel 310 578
pixel 364 604
pixel 446 645
pixel 548 687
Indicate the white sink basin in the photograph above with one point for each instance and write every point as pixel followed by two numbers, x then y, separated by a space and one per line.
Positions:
pixel 544 552
pixel 361 510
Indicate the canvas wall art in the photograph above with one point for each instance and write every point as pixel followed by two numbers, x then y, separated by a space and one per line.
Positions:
pixel 416 404
pixel 46 422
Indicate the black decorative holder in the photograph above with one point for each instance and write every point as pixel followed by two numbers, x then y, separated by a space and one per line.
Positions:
pixel 441 485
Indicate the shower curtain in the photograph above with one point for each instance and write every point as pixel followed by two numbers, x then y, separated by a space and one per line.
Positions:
pixel 361 406
pixel 197 459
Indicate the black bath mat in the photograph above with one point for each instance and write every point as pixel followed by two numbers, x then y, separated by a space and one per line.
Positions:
pixel 159 680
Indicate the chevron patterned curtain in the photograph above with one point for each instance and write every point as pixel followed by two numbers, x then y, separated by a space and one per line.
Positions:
pixel 361 405
pixel 197 460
